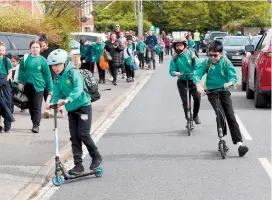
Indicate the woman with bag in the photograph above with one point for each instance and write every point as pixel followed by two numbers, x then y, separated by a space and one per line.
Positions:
pixel 34 75
pixel 114 47
pixel 97 52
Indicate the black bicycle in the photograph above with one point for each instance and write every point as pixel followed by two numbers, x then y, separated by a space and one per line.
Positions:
pixel 222 147
pixel 190 121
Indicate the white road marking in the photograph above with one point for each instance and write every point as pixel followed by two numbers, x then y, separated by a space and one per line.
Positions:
pixel 267 166
pixel 243 130
pixel 49 189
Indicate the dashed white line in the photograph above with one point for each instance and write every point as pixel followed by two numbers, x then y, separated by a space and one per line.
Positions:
pixel 267 166
pixel 48 190
pixel 243 130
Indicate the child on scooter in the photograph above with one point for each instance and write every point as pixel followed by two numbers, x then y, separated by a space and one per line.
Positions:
pixel 221 73
pixel 69 91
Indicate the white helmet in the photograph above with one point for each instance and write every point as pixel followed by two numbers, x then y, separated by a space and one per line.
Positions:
pixel 58 56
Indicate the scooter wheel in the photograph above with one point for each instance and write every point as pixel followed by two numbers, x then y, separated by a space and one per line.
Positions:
pixel 222 150
pixel 98 172
pixel 58 180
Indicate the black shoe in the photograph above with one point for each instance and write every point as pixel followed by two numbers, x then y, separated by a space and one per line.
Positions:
pixel 99 81
pixel 35 129
pixel 7 130
pixel 114 83
pixel 77 170
pixel 242 150
pixel 197 120
pixel 1 129
pixel 96 162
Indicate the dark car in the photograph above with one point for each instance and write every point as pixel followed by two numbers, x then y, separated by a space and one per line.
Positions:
pixel 234 48
pixel 209 37
pixel 17 44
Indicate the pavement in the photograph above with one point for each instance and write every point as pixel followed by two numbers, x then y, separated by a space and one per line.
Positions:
pixel 27 159
pixel 147 154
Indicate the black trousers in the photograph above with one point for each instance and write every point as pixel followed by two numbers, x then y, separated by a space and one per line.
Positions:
pixel 130 72
pixel 225 106
pixel 101 72
pixel 4 114
pixel 193 91
pixel 35 103
pixel 161 57
pixel 167 50
pixel 114 70
pixel 141 59
pixel 80 122
pixel 92 67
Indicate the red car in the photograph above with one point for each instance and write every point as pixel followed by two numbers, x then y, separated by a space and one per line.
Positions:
pixel 254 41
pixel 258 75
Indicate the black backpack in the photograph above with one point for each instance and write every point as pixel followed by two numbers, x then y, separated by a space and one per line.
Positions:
pixel 90 82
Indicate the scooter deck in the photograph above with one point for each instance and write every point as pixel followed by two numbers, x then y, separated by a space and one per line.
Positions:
pixel 97 172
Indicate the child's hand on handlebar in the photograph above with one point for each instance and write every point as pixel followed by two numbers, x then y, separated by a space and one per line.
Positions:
pixel 200 89
pixel 62 102
pixel 177 74
pixel 228 85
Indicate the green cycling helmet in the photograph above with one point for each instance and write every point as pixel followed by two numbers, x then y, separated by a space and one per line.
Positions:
pixel 58 56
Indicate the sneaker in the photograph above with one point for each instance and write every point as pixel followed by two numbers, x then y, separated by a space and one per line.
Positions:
pixel 242 150
pixel 197 120
pixel 7 130
pixel 47 113
pixel 99 81
pixel 114 83
pixel 35 129
pixel 76 170
pixel 96 162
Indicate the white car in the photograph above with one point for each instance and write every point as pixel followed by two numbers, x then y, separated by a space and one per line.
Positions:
pixel 91 37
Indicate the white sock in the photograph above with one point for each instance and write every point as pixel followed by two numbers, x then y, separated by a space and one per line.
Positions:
pixel 239 144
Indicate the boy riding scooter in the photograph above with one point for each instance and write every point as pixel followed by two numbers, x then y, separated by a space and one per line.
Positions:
pixel 69 91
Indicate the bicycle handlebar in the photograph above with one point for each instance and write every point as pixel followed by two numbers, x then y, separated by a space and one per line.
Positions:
pixel 208 91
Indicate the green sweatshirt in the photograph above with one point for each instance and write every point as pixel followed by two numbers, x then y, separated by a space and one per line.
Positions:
pixel 218 73
pixel 3 67
pixel 84 50
pixel 71 88
pixel 191 43
pixel 141 46
pixel 97 52
pixel 183 65
pixel 37 72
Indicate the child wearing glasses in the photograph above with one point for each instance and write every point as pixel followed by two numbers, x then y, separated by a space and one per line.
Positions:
pixel 220 73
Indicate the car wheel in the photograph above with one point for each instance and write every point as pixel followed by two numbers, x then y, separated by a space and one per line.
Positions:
pixel 260 100
pixel 249 92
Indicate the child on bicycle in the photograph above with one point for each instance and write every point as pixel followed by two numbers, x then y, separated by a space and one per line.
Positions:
pixel 184 62
pixel 69 91
pixel 220 73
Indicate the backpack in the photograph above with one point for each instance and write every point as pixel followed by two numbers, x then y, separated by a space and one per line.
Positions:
pixel 208 64
pixel 90 82
pixel 175 57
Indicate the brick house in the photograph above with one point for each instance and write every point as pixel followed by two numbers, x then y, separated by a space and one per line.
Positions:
pixel 33 6
pixel 86 12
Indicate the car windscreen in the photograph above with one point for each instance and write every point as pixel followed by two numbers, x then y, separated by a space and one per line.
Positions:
pixel 22 42
pixel 255 41
pixel 74 44
pixel 213 35
pixel 235 41
pixel 92 39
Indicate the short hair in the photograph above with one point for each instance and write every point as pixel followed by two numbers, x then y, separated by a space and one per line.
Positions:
pixel 216 46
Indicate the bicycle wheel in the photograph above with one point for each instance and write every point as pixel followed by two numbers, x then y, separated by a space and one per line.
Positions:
pixel 222 149
pixel 189 127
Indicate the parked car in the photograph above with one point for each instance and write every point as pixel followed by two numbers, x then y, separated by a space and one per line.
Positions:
pixel 17 44
pixel 254 41
pixel 221 39
pixel 209 37
pixel 234 48
pixel 91 37
pixel 258 83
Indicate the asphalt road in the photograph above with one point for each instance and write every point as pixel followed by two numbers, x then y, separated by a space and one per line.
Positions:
pixel 147 154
